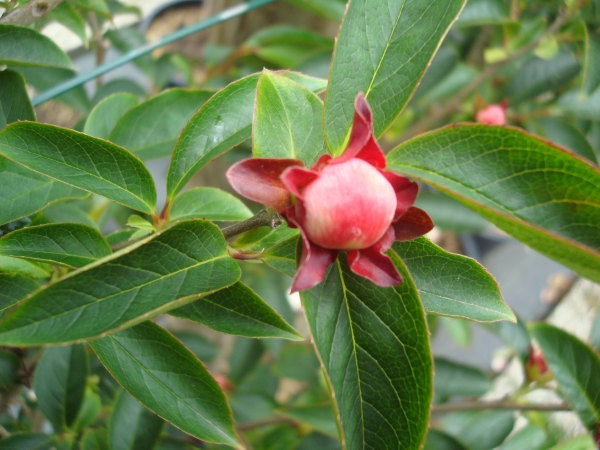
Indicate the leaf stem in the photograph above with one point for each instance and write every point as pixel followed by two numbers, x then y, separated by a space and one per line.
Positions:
pixel 264 218
pixel 503 404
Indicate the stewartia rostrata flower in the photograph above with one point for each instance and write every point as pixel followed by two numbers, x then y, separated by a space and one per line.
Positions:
pixel 349 203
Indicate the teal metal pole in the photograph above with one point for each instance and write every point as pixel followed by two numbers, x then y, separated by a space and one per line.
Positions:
pixel 125 58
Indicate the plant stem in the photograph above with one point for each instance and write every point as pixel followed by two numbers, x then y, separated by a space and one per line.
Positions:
pixel 99 44
pixel 264 218
pixel 504 404
pixel 29 12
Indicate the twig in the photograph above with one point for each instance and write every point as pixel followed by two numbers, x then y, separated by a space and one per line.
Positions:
pixel 437 115
pixel 504 404
pixel 99 44
pixel 30 12
pixel 264 218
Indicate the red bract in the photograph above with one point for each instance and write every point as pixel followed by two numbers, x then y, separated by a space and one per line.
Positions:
pixel 347 203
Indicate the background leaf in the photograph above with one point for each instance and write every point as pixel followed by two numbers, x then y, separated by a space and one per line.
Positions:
pixel 437 440
pixel 287 121
pixel 480 430
pixel 67 244
pixel 330 9
pixel 150 277
pixel 373 344
pixel 150 130
pixel 319 417
pixel 14 100
pixel 95 439
pixel 82 161
pixel 60 379
pixel 14 288
pixel 22 46
pixel 454 379
pixel 28 441
pixel 168 379
pixel 107 112
pixel 575 366
pixel 208 203
pixel 519 183
pixel 566 135
pixel 591 70
pixel 383 49
pixel 23 267
pixel 132 426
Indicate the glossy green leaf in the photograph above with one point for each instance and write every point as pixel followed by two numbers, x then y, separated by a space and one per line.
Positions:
pixel 450 215
pixel 132 426
pixel 69 17
pixel 459 330
pixel 374 346
pixel 208 203
pixel 168 379
pixel 455 379
pixel 118 86
pixel 25 192
pixel 204 349
pixel 23 267
pixel 287 121
pixel 438 440
pixel 583 442
pixel 442 64
pixel 520 183
pixel 383 49
pixel 105 115
pixel 28 441
pixel 14 288
pixel 152 276
pixel 594 334
pixel 150 130
pixel 513 334
pixel 579 106
pixel 223 122
pixel 483 12
pixel 532 437
pixel 81 161
pixel 451 284
pixel 330 9
pixel 237 310
pixel 319 417
pixel 60 379
pixel 68 244
pixel 136 221
pixel 482 430
pixel 563 133
pixel 576 368
pixel 89 411
pixel 95 439
pixel 591 69
pixel 22 46
pixel 14 100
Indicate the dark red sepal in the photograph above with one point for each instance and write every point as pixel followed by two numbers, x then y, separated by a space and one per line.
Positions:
pixel 297 178
pixel 414 223
pixel 373 264
pixel 259 179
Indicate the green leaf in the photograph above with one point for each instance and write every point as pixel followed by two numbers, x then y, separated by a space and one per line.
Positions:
pixel 374 346
pixel 579 443
pixel 97 6
pixel 237 310
pixel 319 417
pixel 28 441
pixel 136 221
pixel 95 439
pixel 22 46
pixel 25 192
pixel 591 69
pixel 89 411
pixel 132 426
pixel 454 379
pixel 13 288
pixel 81 161
pixel 10 364
pixel 168 379
pixel 152 276
pixel 22 267
pixel 287 121
pixel 222 123
pixel 459 330
pixel 67 244
pixel 118 86
pixel 208 203
pixel 520 183
pixel 576 368
pixel 60 380
pixel 566 135
pixel 150 130
pixel 330 9
pixel 204 349
pixel 67 15
pixel 450 215
pixel 513 334
pixel 573 103
pixel 483 430
pixel 297 360
pixel 14 100
pixel 383 49
pixel 532 437
pixel 594 334
pixel 105 115
pixel 452 285
pixel 483 12
pixel 438 440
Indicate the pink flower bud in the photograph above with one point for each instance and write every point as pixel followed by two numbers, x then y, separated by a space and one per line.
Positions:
pixel 492 115
pixel 349 203
pixel 536 368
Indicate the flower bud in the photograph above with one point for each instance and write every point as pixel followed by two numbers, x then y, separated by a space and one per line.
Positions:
pixel 492 115
pixel 536 368
pixel 597 435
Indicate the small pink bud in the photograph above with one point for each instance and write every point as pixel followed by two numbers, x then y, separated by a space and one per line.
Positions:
pixel 223 382
pixel 492 115
pixel 536 368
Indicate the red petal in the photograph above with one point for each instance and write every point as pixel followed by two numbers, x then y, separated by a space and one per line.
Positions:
pixel 313 262
pixel 321 162
pixel 374 265
pixel 406 192
pixel 259 179
pixel 297 178
pixel 413 224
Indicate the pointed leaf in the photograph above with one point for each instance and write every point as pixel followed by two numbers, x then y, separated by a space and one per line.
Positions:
pixel 67 244
pixel 319 417
pixel 60 380
pixel 132 426
pixel 28 441
pixel 95 439
pixel 523 185
pixel 373 344
pixel 223 122
pixel 81 161
pixel 23 267
pixel 483 430
pixel 208 203
pixel 454 379
pixel 14 100
pixel 532 437
pixel 287 121
pixel 14 288
pixel 22 46
pixel 576 368
pixel 69 17
pixel 237 310
pixel 452 285
pixel 563 133
pixel 591 70
pixel 152 276
pixel 168 379
pixel 105 115
pixel 150 130
pixel 383 49
pixel 437 440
